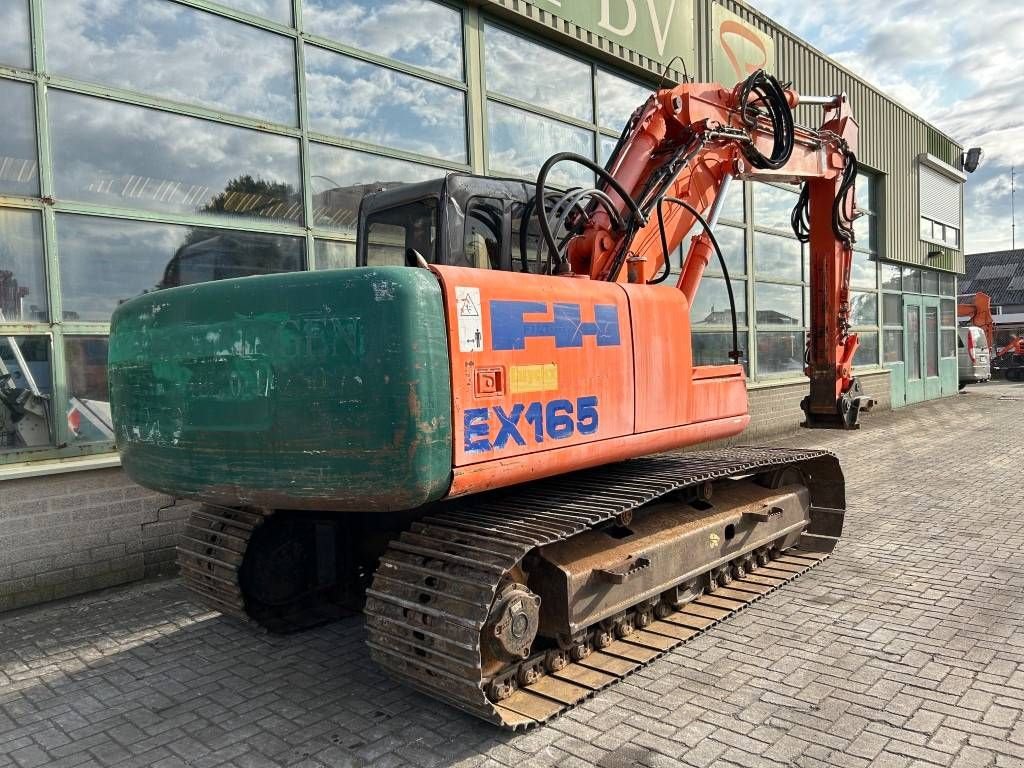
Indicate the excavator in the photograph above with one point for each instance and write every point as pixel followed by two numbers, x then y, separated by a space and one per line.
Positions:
pixel 473 435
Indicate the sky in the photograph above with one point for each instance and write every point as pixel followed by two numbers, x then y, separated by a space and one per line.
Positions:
pixel 957 63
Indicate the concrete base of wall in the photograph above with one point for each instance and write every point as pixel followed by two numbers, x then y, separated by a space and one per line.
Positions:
pixel 61 535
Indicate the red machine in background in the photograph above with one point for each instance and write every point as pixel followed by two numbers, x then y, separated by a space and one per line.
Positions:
pixel 977 308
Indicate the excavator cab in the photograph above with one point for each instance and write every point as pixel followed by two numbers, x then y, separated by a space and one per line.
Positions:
pixel 457 220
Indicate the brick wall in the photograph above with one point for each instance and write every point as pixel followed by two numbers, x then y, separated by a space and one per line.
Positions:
pixel 61 535
pixel 65 534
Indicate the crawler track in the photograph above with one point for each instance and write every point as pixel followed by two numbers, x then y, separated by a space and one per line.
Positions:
pixel 433 591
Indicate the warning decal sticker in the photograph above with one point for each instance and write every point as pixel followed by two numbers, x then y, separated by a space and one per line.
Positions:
pixel 471 332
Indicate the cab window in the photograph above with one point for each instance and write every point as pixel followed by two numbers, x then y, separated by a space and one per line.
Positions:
pixel 393 235
pixel 482 241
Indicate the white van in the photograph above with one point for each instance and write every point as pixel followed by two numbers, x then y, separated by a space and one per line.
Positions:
pixel 972 355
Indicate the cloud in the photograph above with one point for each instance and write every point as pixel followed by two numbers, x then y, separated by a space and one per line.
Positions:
pixel 954 62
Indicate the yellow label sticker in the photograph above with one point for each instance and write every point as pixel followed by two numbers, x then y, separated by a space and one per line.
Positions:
pixel 533 378
pixel 713 540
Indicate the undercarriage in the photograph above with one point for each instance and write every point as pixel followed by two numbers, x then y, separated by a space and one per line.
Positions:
pixel 518 604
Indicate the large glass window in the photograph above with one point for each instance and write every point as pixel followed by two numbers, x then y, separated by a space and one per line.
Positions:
pixel 931 344
pixel 732 207
pixel 351 98
pixel 522 69
pixel 275 10
pixel 863 308
pixel 341 177
pixel 418 32
pixel 22 268
pixel 88 412
pixel 777 257
pixel 773 206
pixel 778 304
pixel 780 352
pixel 334 254
pixel 15 48
pixel 175 52
pixel 893 345
pixel 892 277
pixel 711 304
pixel 104 262
pixel 519 142
pixel 617 99
pixel 733 243
pixel 864 271
pixel 121 155
pixel 892 309
pixel 714 348
pixel 25 389
pixel 18 167
pixel 867 349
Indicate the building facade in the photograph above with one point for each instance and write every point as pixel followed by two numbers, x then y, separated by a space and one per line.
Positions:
pixel 1000 275
pixel 150 143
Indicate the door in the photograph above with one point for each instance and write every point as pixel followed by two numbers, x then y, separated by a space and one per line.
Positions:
pixel 930 345
pixel 913 353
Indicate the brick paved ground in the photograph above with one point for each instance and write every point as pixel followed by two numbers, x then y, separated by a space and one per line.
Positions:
pixel 904 649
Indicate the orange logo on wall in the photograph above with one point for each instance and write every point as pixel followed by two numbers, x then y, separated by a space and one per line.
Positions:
pixel 746 54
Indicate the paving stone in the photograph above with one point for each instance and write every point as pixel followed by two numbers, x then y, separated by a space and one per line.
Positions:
pixel 904 649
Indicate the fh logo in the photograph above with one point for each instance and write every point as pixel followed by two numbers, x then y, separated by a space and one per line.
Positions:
pixel 510 329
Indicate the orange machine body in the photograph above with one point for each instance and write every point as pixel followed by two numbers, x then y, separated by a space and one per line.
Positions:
pixel 551 375
pixel 977 308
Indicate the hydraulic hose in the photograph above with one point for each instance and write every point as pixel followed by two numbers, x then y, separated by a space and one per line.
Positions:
pixel 735 354
pixel 772 96
pixel 542 218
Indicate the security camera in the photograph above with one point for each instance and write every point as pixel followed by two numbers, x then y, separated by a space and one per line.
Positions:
pixel 971 158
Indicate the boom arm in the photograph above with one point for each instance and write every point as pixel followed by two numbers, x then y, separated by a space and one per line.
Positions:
pixel 671 165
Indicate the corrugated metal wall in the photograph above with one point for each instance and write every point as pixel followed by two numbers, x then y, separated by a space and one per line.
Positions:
pixel 891 137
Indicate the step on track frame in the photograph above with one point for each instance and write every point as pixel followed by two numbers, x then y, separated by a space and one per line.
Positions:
pixel 433 590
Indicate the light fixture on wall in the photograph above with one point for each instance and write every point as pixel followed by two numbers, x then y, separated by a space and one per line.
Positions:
pixel 934 254
pixel 971 158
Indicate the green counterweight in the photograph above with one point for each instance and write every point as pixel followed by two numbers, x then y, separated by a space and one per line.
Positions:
pixel 315 390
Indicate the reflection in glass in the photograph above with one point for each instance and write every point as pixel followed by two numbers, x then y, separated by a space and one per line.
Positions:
pixel 911 280
pixel 333 254
pixel 949 342
pixel 517 67
pixel 913 342
pixel 864 271
pixel 948 308
pixel 892 346
pixel 892 277
pixel 394 236
pixel 22 270
pixel 117 154
pixel 930 281
pixel 773 205
pixel 483 235
pixel 105 262
pixel 15 48
pixel 947 284
pixel 867 349
pixel 731 239
pixel 892 309
pixel 864 232
pixel 605 148
pixel 931 340
pixel 174 52
pixel 25 388
pixel 776 256
pixel 418 32
pixel 350 98
pixel 18 167
pixel 865 191
pixel 863 308
pixel 732 208
pixel 88 402
pixel 341 177
pixel 778 304
pixel 617 99
pixel 714 348
pixel 711 304
pixel 519 142
pixel 780 352
pixel 275 10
